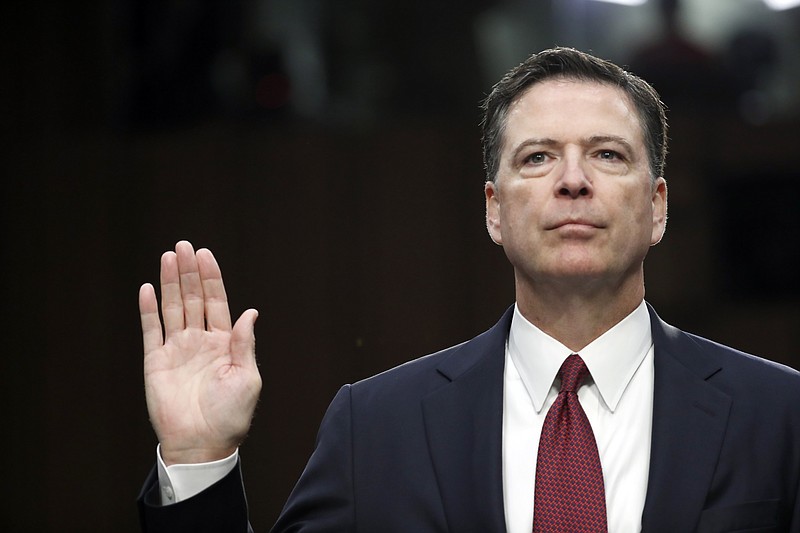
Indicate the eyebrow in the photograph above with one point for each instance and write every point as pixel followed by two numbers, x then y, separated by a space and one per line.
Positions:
pixel 600 139
pixel 531 142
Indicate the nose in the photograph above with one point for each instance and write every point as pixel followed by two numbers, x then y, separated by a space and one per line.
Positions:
pixel 573 182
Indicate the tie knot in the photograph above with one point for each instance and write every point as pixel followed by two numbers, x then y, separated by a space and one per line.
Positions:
pixel 573 372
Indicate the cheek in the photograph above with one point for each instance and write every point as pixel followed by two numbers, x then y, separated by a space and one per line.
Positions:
pixel 522 219
pixel 638 199
pixel 636 210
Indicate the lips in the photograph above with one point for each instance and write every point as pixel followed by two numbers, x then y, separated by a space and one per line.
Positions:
pixel 574 222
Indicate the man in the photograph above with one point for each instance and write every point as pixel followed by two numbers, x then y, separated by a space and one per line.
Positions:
pixel 679 434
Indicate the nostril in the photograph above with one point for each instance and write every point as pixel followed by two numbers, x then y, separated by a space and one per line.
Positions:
pixel 573 193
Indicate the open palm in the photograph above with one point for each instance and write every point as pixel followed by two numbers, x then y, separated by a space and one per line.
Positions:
pixel 201 378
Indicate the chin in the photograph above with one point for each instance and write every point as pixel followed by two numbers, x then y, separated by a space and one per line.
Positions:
pixel 582 264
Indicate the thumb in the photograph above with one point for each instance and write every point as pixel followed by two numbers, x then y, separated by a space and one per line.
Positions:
pixel 243 339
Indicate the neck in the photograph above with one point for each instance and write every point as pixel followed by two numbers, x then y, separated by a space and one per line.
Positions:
pixel 577 317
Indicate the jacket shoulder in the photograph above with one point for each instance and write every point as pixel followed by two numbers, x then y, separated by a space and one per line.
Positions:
pixel 421 376
pixel 750 371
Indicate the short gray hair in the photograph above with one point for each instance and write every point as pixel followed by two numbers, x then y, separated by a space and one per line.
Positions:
pixel 568 63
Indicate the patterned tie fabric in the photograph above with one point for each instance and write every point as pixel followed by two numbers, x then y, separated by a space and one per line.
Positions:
pixel 569 495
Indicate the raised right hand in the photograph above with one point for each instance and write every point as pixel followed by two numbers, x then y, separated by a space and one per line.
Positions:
pixel 201 377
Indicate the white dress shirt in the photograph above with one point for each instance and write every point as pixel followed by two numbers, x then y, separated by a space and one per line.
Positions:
pixel 617 398
pixel 181 481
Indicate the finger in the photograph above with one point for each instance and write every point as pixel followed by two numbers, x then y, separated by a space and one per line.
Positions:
pixel 171 301
pixel 191 288
pixel 218 314
pixel 243 340
pixel 151 325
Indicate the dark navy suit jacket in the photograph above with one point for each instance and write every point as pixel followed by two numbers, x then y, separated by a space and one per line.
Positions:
pixel 418 448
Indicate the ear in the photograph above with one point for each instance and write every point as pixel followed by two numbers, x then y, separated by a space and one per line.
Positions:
pixel 493 212
pixel 659 211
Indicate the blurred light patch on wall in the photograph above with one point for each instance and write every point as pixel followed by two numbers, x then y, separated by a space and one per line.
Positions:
pixel 357 63
pixel 780 5
pixel 754 46
pixel 624 2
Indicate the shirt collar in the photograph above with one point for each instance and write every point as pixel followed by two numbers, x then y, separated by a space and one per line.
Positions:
pixel 612 358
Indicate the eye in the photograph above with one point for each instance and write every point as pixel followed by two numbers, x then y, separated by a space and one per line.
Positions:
pixel 537 158
pixel 609 155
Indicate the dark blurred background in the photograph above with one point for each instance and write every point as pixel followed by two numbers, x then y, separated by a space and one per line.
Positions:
pixel 328 152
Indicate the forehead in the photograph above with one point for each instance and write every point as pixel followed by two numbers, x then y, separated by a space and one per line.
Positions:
pixel 568 110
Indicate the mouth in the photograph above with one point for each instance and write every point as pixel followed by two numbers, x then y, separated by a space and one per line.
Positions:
pixel 575 224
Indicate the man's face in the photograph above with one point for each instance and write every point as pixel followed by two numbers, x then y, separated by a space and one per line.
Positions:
pixel 573 201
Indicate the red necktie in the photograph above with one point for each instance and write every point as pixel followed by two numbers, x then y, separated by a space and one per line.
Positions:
pixel 569 495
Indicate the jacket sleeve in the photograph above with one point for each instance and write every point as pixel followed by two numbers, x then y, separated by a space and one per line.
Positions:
pixel 221 507
pixel 323 498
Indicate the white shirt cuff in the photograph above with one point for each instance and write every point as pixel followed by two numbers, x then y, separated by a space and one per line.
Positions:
pixel 182 481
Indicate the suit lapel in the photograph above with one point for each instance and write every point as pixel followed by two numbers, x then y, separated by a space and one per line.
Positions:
pixel 689 421
pixel 464 424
